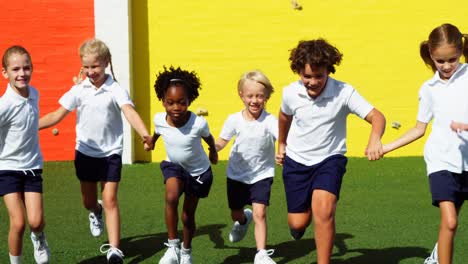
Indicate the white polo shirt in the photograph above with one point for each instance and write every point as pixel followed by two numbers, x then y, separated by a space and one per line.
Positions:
pixel 444 101
pixel 19 131
pixel 183 144
pixel 318 128
pixel 99 127
pixel 252 156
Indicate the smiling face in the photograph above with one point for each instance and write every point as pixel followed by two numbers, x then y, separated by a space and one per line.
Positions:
pixel 18 71
pixel 176 104
pixel 254 98
pixel 94 68
pixel 314 79
pixel 446 59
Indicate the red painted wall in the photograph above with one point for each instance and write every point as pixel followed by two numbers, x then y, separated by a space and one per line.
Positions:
pixel 52 32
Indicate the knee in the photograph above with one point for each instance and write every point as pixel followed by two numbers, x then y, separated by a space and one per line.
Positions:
pixel 299 223
pixel 172 199
pixel 323 215
pixel 18 226
pixel 259 216
pixel 109 202
pixel 36 225
pixel 188 219
pixel 450 224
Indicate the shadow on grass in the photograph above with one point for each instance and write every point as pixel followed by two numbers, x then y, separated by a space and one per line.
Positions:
pixel 140 248
pixel 287 252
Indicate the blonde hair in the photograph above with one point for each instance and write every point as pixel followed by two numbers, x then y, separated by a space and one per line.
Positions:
pixel 256 76
pixel 98 48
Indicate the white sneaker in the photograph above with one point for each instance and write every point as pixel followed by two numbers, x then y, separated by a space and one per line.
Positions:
pixel 238 231
pixel 114 255
pixel 263 257
pixel 96 225
pixel 172 253
pixel 433 258
pixel 185 256
pixel 41 248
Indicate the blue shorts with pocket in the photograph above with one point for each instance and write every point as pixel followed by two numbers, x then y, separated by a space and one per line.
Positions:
pixel 91 169
pixel 449 186
pixel 12 181
pixel 301 180
pixel 198 186
pixel 241 194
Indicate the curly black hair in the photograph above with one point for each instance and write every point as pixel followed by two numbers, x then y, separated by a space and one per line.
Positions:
pixel 177 76
pixel 315 53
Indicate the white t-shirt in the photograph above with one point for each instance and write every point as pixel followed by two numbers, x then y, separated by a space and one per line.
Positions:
pixel 444 101
pixel 318 128
pixel 183 144
pixel 99 127
pixel 19 131
pixel 252 156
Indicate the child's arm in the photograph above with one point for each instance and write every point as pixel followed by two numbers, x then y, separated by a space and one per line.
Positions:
pixel 458 127
pixel 411 135
pixel 221 143
pixel 53 118
pixel 135 121
pixel 284 123
pixel 374 149
pixel 213 155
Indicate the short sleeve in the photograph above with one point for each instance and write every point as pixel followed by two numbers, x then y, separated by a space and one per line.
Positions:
pixel 204 128
pixel 424 110
pixel 358 105
pixel 229 128
pixel 273 126
pixel 285 104
pixel 69 100
pixel 121 96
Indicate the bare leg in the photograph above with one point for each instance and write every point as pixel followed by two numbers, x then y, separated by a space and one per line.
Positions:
pixel 111 209
pixel 174 187
pixel 188 219
pixel 14 205
pixel 259 216
pixel 323 210
pixel 447 230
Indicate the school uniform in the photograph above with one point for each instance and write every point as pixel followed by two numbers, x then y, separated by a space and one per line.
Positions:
pixel 251 164
pixel 316 142
pixel 186 159
pixel 99 128
pixel 20 155
pixel 445 151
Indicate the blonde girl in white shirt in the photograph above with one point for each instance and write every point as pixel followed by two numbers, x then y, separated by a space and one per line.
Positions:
pixel 442 99
pixel 99 101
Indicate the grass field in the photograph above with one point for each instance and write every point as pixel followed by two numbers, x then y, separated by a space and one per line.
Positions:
pixel 384 216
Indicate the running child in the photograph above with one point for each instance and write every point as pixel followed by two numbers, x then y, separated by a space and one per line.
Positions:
pixel 312 140
pixel 99 101
pixel 443 98
pixel 21 157
pixel 186 168
pixel 251 165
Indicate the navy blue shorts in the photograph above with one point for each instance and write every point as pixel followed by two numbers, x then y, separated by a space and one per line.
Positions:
pixel 449 186
pixel 198 186
pixel 241 194
pixel 91 169
pixel 301 180
pixel 12 181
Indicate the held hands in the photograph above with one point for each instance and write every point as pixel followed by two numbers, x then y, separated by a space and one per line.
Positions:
pixel 148 142
pixel 281 154
pixel 374 150
pixel 213 155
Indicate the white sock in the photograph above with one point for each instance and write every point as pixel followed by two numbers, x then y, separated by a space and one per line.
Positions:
pixel 434 254
pixel 15 259
pixel 185 250
pixel 173 241
pixel 37 234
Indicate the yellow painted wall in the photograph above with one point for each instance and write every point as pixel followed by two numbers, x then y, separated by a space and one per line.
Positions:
pixel 222 39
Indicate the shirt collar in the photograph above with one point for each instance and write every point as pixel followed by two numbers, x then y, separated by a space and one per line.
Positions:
pixel 326 93
pixel 18 99
pixel 462 67
pixel 104 87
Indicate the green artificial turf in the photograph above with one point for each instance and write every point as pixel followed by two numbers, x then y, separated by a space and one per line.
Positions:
pixel 384 216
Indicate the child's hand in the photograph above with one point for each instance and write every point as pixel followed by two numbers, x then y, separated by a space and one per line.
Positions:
pixel 148 142
pixel 281 154
pixel 374 150
pixel 457 126
pixel 213 155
